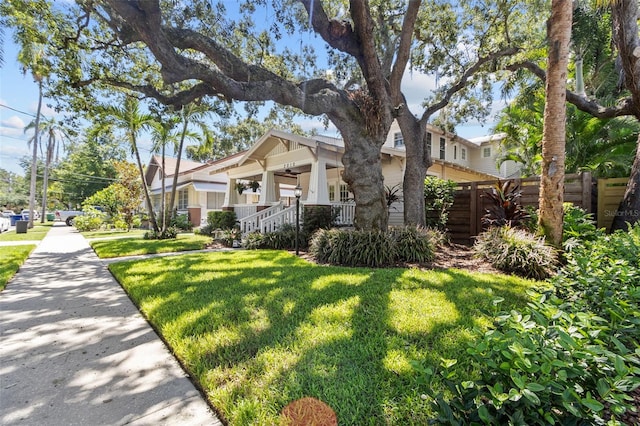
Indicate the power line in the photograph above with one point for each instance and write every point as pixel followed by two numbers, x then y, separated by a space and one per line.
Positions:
pixel 17 110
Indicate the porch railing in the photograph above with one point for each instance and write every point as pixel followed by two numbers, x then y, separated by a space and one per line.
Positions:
pixel 252 222
pixel 276 220
pixel 346 214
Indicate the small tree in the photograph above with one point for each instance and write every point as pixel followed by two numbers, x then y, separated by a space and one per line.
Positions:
pixel 438 199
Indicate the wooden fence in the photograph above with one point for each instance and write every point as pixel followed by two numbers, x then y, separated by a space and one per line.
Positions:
pixel 465 216
pixel 610 193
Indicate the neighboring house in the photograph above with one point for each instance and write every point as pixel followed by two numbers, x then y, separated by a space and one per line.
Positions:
pixel 279 161
pixel 479 154
pixel 197 191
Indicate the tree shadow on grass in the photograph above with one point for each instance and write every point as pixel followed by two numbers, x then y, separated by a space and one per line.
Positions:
pixel 265 328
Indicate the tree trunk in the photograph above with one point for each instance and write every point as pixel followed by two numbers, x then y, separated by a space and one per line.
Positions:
pixel 145 188
pixel 625 34
pixel 34 157
pixel 45 178
pixel 418 161
pixel 554 133
pixel 363 173
pixel 629 209
pixel 163 201
pixel 185 126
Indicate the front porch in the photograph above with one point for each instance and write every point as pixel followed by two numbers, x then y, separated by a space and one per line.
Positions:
pixel 260 187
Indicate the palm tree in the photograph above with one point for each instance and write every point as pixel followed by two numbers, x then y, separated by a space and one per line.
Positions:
pixel 554 133
pixel 161 134
pixel 129 118
pixel 53 130
pixel 193 113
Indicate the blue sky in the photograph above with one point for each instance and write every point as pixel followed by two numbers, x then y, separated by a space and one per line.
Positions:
pixel 19 98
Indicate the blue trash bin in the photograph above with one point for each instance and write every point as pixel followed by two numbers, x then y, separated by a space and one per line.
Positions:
pixel 14 218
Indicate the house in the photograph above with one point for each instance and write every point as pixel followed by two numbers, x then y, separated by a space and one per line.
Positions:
pixel 258 184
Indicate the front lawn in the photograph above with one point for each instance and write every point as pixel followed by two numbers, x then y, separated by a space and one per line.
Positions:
pixel 259 329
pixel 137 245
pixel 11 259
pixel 36 233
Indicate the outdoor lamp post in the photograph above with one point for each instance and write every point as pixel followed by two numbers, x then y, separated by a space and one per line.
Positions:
pixel 297 191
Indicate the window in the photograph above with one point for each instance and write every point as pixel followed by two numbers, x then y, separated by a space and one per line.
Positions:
pixel 486 152
pixel 455 152
pixel 398 141
pixel 332 193
pixel 183 199
pixel 442 148
pixel 344 193
pixel 463 153
pixel 215 200
pixel 429 136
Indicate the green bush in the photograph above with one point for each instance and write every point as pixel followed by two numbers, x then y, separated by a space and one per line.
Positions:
pixel 438 198
pixel 228 236
pixel 282 239
pixel 319 217
pixel 181 221
pixel 571 357
pixel 170 233
pixel 516 251
pixel 577 226
pixel 504 208
pixel 353 248
pixel 254 241
pixel 413 244
pixel 221 220
pixel 91 220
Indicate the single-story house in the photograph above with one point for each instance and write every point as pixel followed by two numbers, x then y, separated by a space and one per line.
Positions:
pixel 258 183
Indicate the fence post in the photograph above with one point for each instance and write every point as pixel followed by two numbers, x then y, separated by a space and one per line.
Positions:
pixel 586 191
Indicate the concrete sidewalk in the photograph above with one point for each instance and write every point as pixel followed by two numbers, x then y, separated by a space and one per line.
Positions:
pixel 74 350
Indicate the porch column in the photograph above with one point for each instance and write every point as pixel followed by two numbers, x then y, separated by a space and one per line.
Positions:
pixel 268 189
pixel 318 193
pixel 230 195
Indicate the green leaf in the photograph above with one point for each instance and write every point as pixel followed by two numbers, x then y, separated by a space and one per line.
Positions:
pixel 483 412
pixel 620 366
pixel 535 387
pixel 531 396
pixel 603 387
pixel 517 379
pixel 592 404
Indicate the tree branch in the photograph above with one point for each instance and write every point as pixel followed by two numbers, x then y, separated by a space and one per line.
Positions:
pixel 403 54
pixel 462 81
pixel 624 107
pixel 338 34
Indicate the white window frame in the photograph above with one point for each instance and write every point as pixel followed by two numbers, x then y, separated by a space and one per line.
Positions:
pixel 443 148
pixel 398 140
pixel 463 153
pixel 486 152
pixel 183 199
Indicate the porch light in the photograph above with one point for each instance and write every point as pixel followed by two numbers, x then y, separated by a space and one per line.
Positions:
pixel 297 191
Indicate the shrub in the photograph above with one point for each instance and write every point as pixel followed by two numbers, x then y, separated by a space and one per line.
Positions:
pixel 221 220
pixel 91 220
pixel 570 357
pixel 577 226
pixel 318 217
pixel 181 221
pixel 229 236
pixel 254 241
pixel 353 248
pixel 282 239
pixel 438 198
pixel 516 251
pixel 169 233
pixel 505 209
pixel 413 244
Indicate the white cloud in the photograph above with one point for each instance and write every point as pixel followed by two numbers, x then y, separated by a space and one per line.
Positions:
pixel 46 110
pixel 13 122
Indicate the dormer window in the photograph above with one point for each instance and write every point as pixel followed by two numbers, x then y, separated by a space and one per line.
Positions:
pixel 486 152
pixel 398 140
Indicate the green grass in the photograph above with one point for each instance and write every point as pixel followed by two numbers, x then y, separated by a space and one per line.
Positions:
pixel 113 233
pixel 11 259
pixel 259 329
pixel 138 245
pixel 36 233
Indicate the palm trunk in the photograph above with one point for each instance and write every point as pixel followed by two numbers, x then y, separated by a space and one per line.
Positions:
pixel 163 202
pixel 34 158
pixel 554 133
pixel 145 188
pixel 185 125
pixel 45 179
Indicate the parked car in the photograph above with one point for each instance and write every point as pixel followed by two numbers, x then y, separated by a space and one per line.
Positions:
pixel 25 214
pixel 5 223
pixel 67 216
pixel 8 213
